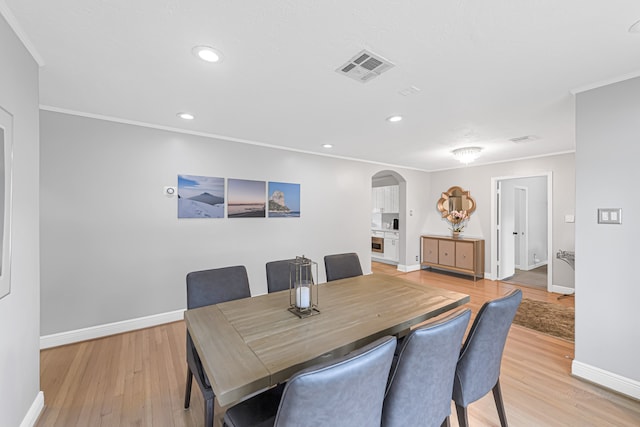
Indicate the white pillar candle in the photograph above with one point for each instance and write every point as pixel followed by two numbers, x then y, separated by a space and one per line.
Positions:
pixel 302 297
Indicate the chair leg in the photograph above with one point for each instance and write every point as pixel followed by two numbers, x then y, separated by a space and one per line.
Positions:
pixel 208 412
pixel 497 396
pixel 187 391
pixel 446 422
pixel 463 420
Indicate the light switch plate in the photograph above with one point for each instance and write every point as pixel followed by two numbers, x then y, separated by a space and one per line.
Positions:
pixel 610 216
pixel 569 218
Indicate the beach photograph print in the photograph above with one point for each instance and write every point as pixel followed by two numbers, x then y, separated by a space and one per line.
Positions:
pixel 200 197
pixel 284 200
pixel 246 198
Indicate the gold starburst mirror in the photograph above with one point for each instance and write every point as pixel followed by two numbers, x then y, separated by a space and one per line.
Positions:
pixel 456 199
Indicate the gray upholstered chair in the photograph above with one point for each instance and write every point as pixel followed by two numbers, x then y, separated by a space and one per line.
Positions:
pixel 206 288
pixel 278 275
pixel 478 369
pixel 343 393
pixel 420 385
pixel 341 266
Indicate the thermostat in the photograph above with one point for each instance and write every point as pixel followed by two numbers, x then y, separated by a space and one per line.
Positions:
pixel 169 191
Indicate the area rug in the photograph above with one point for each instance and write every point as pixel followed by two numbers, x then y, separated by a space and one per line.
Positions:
pixel 548 318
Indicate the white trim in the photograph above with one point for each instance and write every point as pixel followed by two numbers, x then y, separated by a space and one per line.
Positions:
pixel 216 136
pixel 517 159
pixel 606 379
pixel 34 411
pixel 536 265
pixel 606 82
pixel 92 332
pixel 19 32
pixel 408 268
pixel 565 290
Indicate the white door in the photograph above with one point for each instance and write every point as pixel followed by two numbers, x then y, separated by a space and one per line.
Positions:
pixel 520 227
pixel 505 230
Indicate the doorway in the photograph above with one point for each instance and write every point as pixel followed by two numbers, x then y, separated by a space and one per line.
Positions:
pixel 388 225
pixel 521 243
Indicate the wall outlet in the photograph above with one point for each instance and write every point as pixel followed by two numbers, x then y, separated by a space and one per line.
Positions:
pixel 416 257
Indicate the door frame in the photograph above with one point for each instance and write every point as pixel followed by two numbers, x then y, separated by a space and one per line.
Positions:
pixel 494 219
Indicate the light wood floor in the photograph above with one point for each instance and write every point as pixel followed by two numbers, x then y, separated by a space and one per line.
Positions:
pixel 137 378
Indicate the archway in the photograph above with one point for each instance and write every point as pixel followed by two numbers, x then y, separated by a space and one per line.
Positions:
pixel 388 217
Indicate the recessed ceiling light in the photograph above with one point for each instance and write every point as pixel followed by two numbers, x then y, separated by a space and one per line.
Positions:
pixel 186 116
pixel 327 146
pixel 635 28
pixel 394 119
pixel 207 53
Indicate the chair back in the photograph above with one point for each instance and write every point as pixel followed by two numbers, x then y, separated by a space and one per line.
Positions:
pixel 218 285
pixel 478 367
pixel 421 382
pixel 209 287
pixel 278 275
pixel 341 266
pixel 347 392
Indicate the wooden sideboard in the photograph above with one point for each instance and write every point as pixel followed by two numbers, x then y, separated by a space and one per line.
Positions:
pixel 461 255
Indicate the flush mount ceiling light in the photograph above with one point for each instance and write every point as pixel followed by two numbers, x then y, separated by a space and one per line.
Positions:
pixel 207 53
pixel 466 155
pixel 635 28
pixel 186 116
pixel 394 119
pixel 327 146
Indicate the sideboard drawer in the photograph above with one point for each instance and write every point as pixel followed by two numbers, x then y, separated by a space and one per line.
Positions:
pixel 464 255
pixel 430 250
pixel 447 253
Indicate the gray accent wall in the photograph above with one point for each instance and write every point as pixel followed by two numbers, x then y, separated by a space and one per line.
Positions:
pixel 20 309
pixel 477 179
pixel 607 280
pixel 113 248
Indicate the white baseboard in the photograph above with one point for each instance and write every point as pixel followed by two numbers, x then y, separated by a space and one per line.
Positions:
pixel 532 266
pixel 69 337
pixel 34 411
pixel 606 379
pixel 562 290
pixel 408 268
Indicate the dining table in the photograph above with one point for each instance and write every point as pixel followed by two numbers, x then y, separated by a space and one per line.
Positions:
pixel 251 344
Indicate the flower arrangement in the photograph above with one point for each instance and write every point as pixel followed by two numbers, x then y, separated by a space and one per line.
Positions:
pixel 457 220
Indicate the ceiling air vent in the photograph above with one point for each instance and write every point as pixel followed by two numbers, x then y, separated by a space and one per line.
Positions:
pixel 527 138
pixel 364 66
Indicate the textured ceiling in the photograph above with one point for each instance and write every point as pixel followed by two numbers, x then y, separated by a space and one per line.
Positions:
pixel 487 71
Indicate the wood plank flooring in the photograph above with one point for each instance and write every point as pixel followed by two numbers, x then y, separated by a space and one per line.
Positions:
pixel 137 378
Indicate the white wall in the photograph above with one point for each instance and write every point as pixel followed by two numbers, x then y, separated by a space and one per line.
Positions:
pixel 20 310
pixel 537 214
pixel 607 283
pixel 477 179
pixel 113 248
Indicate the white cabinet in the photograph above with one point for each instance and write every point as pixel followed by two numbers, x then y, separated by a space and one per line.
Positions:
pixel 386 199
pixel 391 240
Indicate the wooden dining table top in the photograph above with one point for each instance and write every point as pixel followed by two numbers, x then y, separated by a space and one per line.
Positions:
pixel 251 344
